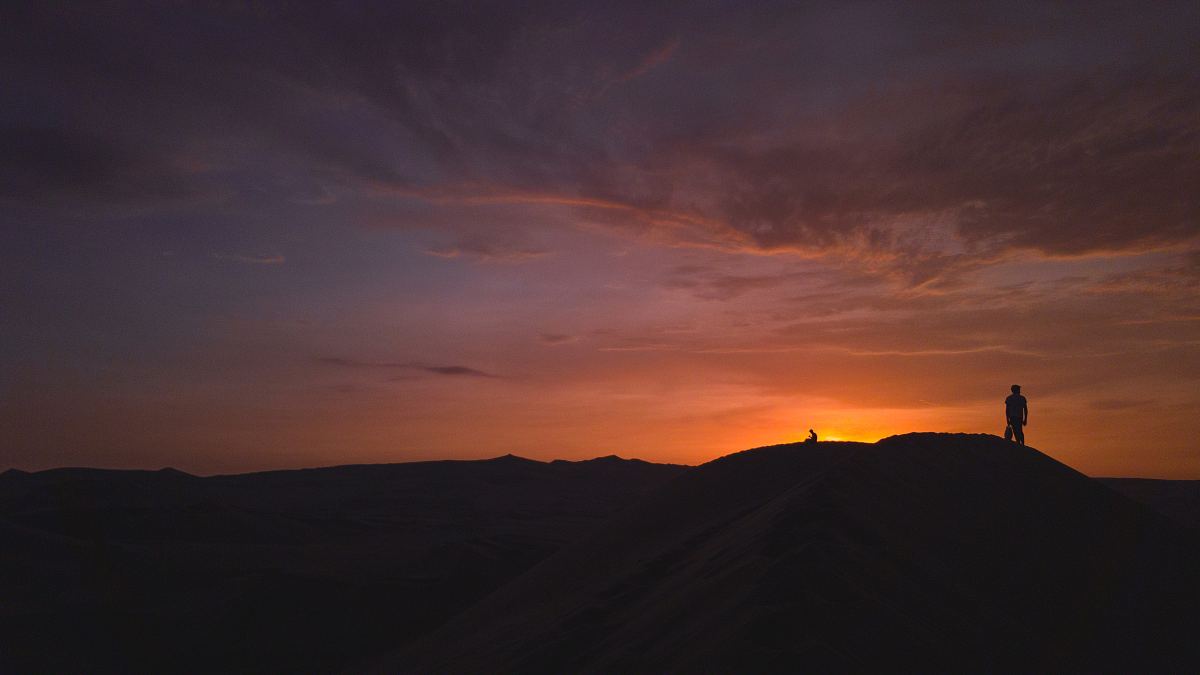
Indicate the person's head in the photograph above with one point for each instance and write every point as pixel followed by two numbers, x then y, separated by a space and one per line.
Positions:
pixel 1016 389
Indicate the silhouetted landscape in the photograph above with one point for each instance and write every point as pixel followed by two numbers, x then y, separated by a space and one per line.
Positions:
pixel 919 552
pixel 300 571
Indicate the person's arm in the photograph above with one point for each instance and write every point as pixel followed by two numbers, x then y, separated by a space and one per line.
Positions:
pixel 1024 413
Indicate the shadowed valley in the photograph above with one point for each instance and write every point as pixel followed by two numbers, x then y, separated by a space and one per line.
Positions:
pixel 295 571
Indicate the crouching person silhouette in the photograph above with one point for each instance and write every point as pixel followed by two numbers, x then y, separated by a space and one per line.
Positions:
pixel 1016 412
pixel 812 437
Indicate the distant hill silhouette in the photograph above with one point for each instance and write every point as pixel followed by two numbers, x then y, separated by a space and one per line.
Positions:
pixel 301 571
pixel 1179 499
pixel 922 552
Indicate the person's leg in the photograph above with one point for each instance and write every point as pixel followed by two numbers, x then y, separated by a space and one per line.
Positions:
pixel 1018 431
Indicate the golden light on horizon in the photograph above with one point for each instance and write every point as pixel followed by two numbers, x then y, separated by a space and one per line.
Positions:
pixel 536 245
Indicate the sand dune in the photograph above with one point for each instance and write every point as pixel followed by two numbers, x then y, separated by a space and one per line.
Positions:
pixel 920 552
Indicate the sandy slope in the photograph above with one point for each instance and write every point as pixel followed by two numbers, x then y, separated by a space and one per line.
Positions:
pixel 920 552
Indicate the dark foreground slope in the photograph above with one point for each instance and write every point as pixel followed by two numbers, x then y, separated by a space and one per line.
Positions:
pixel 302 571
pixel 921 552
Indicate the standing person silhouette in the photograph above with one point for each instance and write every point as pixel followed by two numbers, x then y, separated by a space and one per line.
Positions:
pixel 1016 411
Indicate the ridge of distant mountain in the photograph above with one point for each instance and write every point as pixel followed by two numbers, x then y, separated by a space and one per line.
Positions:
pixel 922 552
pixel 512 459
pixel 1179 499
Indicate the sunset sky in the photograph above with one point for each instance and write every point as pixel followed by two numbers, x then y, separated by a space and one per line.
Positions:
pixel 239 235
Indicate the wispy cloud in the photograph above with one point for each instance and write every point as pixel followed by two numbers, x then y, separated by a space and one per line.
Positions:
pixel 640 348
pixel 1000 349
pixel 447 370
pixel 251 259
pixel 652 60
pixel 1119 403
pixel 555 339
pixel 455 370
pixel 486 251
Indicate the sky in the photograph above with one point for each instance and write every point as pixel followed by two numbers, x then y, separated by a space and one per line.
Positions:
pixel 238 236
